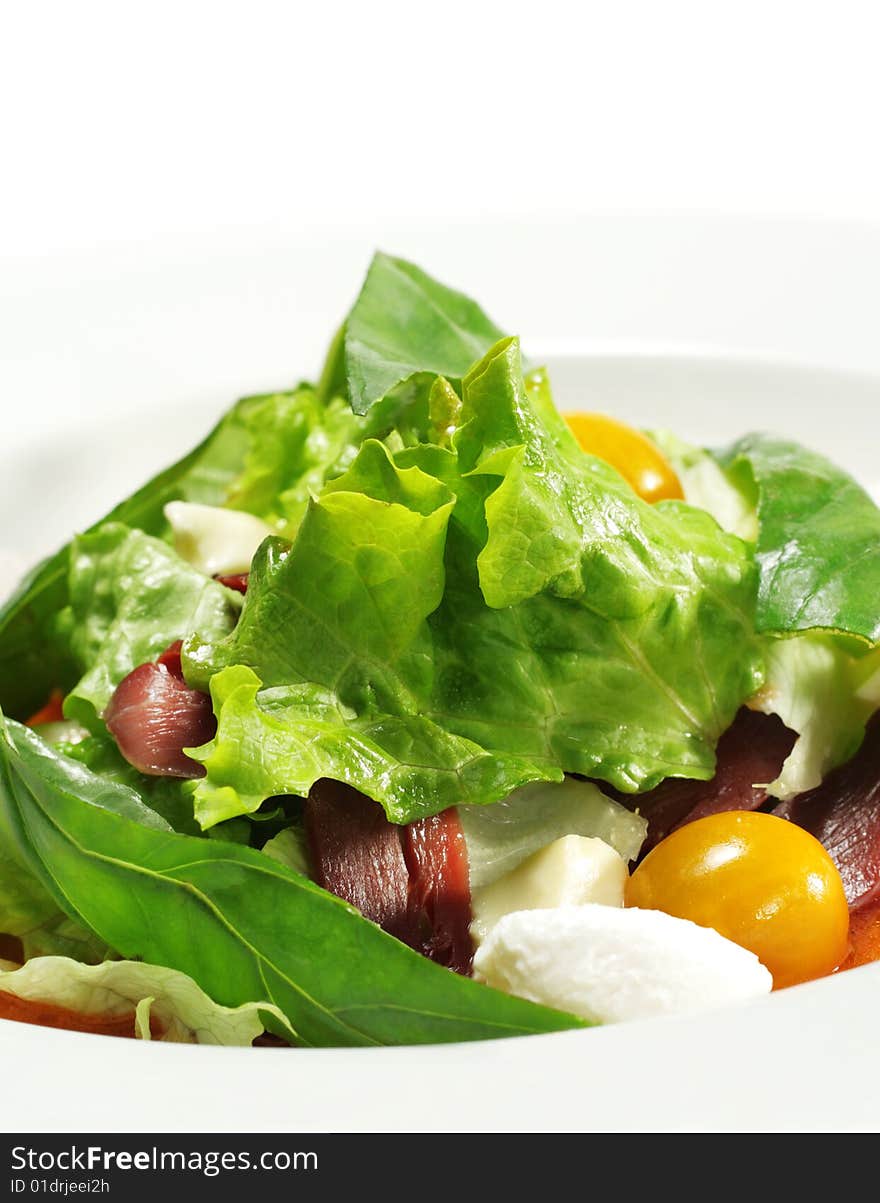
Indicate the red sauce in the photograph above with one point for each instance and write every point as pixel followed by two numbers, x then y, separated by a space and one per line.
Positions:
pixel 48 1015
pixel 864 937
pixel 52 712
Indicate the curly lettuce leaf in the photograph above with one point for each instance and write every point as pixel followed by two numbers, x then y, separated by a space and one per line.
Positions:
pixel 818 547
pixel 245 928
pixel 241 463
pixel 826 695
pixel 159 1000
pixel 433 652
pixel 130 597
pixel 293 441
pixel 404 323
pixel 283 740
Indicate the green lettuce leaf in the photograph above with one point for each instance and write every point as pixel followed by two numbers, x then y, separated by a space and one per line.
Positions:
pixel 283 740
pixel 35 652
pixel 156 998
pixel 706 485
pixel 243 927
pixel 293 441
pixel 502 836
pixel 130 597
pixel 404 323
pixel 240 463
pixel 432 652
pixel 816 545
pixel 824 694
pixel 289 848
pixel 819 542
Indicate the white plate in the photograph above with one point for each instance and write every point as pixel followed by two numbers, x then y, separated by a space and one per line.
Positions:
pixel 712 327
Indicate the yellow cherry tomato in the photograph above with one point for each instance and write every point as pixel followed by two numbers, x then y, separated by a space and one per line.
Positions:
pixel 634 456
pixel 761 881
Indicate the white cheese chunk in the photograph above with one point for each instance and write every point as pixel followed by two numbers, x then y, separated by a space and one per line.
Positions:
pixel 607 964
pixel 570 871
pixel 63 731
pixel 218 542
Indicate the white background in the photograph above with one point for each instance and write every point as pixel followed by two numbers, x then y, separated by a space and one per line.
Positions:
pixel 122 121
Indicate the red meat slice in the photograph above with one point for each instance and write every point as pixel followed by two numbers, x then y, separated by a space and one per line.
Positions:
pixel 357 855
pixel 154 715
pixel 439 887
pixel 412 881
pixel 171 659
pixel 750 754
pixel 238 582
pixel 843 813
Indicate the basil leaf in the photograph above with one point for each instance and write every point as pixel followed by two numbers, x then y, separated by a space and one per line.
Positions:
pixel 242 926
pixel 404 323
pixel 818 545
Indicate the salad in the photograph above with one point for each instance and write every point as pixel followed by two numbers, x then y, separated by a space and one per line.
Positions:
pixel 406 709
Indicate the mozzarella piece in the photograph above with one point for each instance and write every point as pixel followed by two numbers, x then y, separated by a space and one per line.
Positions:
pixel 62 731
pixel 608 965
pixel 570 871
pixel 218 542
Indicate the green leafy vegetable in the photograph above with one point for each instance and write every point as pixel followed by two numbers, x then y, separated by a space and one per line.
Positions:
pixel 35 657
pixel 130 597
pixel 733 504
pixel 289 848
pixel 168 797
pixel 243 927
pixel 432 653
pixel 293 441
pixel 283 740
pixel 237 464
pixel 404 323
pixel 152 995
pixel 819 542
pixel 30 914
pixel 826 695
pixel 460 607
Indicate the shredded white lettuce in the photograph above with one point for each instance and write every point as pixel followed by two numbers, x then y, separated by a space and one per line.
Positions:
pixel 289 848
pixel 824 694
pixel 183 1013
pixel 502 836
